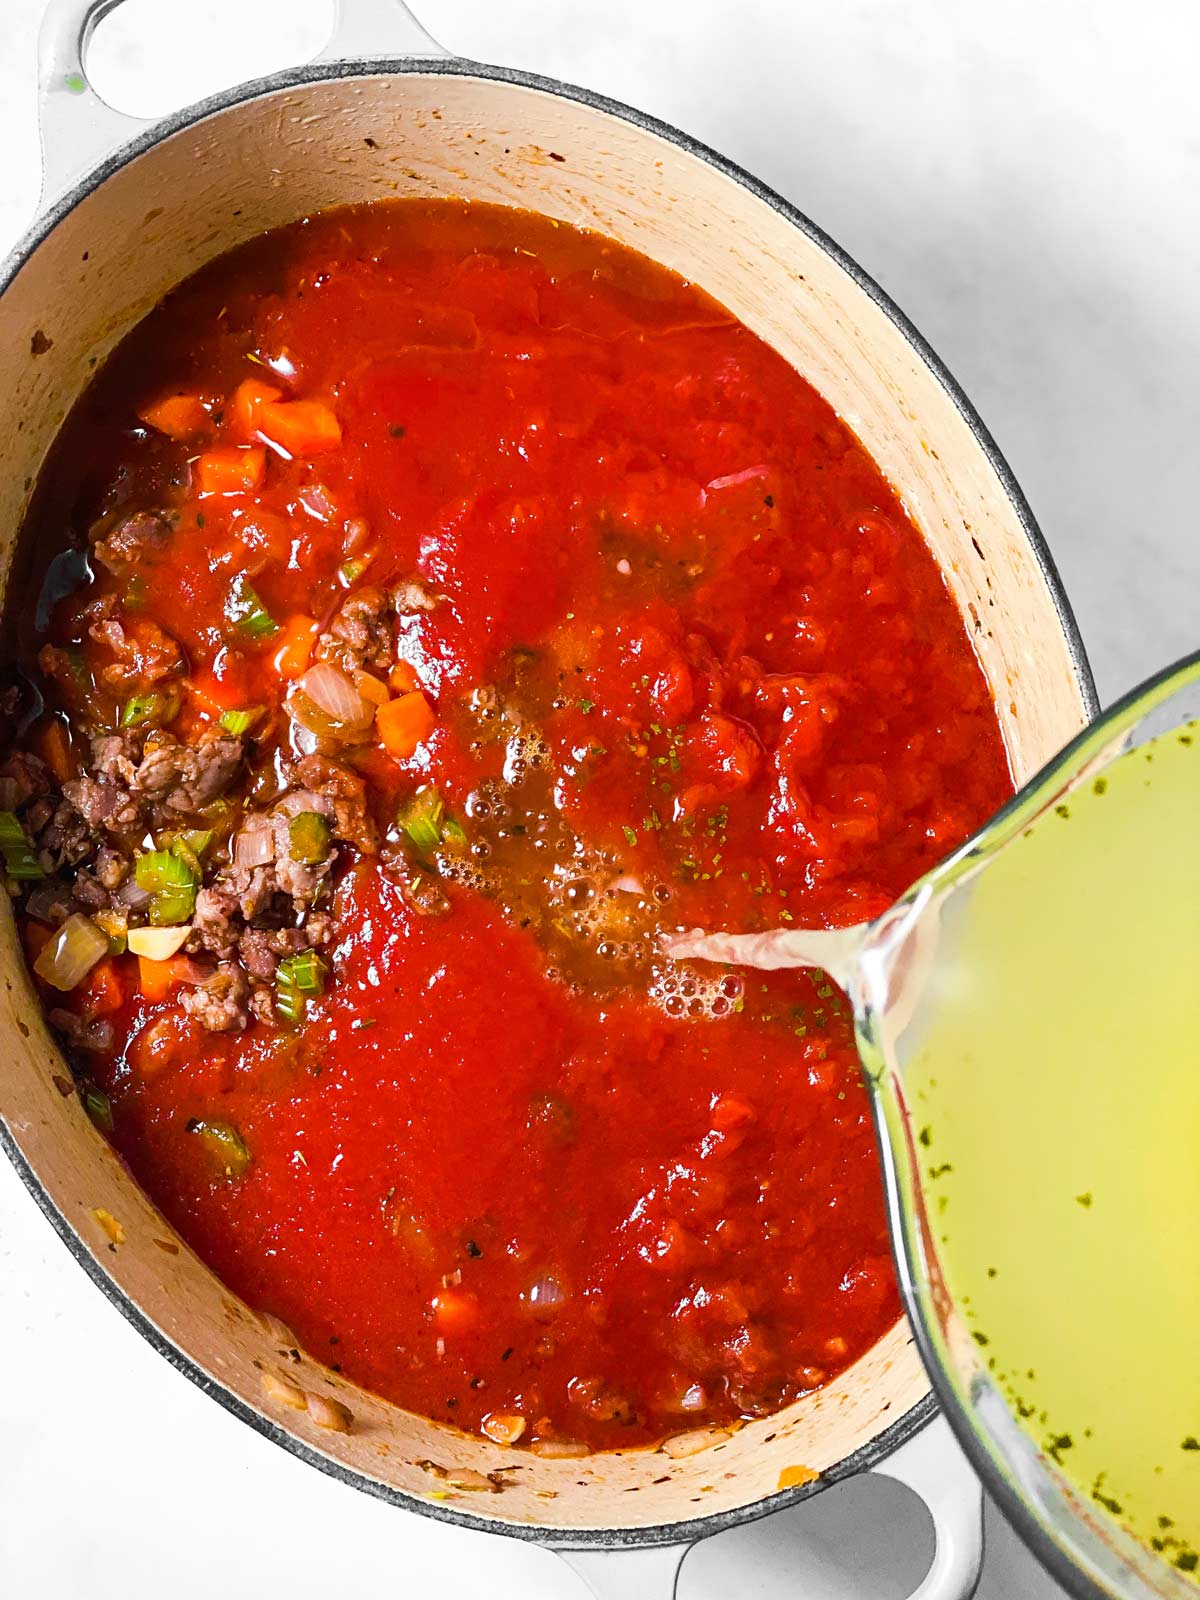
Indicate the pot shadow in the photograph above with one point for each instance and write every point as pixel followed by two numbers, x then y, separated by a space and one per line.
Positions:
pixel 867 1536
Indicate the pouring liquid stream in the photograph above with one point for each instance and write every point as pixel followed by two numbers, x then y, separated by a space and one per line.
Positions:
pixel 1038 1015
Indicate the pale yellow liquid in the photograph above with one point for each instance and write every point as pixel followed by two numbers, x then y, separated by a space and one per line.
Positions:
pixel 1054 1085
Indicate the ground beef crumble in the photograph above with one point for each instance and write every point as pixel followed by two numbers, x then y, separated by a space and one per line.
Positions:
pixel 131 538
pixel 258 903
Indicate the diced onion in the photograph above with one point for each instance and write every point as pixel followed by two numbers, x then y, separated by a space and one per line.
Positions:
pixel 690 1444
pixel 71 953
pixel 467 1478
pixel 340 709
pixel 731 480
pixel 546 1294
pixel 157 944
pixel 327 1413
pixel 315 499
pixel 559 1449
pixel 283 1392
pixel 132 895
pixel 302 800
pixel 254 847
pixel 503 1427
pixel 51 902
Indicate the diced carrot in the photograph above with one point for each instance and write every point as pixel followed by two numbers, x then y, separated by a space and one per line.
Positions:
pixel 292 656
pixel 104 991
pixel 405 723
pixel 403 677
pixel 245 403
pixel 54 747
pixel 231 469
pixel 454 1311
pixel 371 689
pixel 213 695
pixel 299 427
pixel 158 979
pixel 179 416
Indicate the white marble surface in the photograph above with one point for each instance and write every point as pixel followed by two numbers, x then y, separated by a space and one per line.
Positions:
pixel 1024 179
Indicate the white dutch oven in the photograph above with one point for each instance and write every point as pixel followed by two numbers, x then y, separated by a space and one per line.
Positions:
pixel 128 210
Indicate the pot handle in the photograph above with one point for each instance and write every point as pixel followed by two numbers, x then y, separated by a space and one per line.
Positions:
pixel 377 28
pixel 931 1465
pixel 79 130
pixel 629 1574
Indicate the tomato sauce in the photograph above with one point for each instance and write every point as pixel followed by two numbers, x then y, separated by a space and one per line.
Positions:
pixel 690 665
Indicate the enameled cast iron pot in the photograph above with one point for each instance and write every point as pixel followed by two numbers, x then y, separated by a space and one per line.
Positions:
pixel 129 209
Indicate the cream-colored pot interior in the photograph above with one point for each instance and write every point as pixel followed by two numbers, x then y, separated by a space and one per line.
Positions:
pixel 325 141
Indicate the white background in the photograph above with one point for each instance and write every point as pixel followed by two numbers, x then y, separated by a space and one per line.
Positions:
pixel 1023 177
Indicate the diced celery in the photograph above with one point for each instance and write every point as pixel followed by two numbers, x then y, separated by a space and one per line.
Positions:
pixel 297 979
pixel 308 837
pixel 238 722
pixel 172 880
pixel 19 859
pixel 247 612
pixel 96 1104
pixel 421 818
pixel 142 708
pixel 224 1142
pixel 116 925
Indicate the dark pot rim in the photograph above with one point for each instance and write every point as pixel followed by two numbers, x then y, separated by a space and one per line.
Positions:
pixel 898 1432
